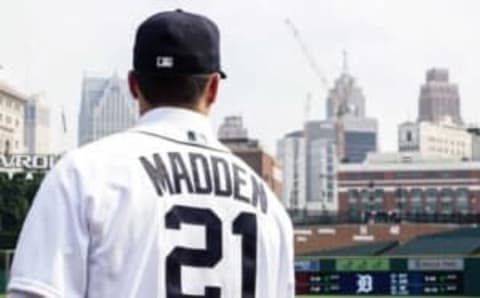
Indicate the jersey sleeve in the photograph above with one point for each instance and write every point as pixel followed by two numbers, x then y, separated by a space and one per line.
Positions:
pixel 51 255
pixel 286 283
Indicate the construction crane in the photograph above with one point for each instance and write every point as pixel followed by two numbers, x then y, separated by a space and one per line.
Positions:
pixel 311 61
pixel 342 108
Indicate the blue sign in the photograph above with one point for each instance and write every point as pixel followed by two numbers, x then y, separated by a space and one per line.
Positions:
pixel 307 266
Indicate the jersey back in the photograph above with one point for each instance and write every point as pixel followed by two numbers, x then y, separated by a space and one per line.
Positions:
pixel 162 218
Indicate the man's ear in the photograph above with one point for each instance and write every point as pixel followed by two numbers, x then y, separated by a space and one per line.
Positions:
pixel 133 84
pixel 212 89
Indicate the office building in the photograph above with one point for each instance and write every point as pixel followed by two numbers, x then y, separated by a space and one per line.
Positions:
pixel 12 124
pixel 107 107
pixel 37 127
pixel 439 99
pixel 234 136
pixel 409 183
pixel 346 97
pixel 346 106
pixel 232 128
pixel 474 131
pixel 437 139
pixel 321 166
pixel 292 158
pixel 360 138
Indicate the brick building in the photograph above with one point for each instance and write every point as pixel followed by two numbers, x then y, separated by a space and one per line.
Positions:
pixel 234 135
pixel 260 161
pixel 409 184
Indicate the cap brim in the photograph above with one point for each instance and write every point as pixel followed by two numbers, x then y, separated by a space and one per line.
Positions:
pixel 223 75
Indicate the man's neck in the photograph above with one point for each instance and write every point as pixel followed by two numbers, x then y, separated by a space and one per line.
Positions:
pixel 193 108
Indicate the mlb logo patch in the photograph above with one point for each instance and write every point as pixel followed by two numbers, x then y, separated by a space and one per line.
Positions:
pixel 164 62
pixel 191 136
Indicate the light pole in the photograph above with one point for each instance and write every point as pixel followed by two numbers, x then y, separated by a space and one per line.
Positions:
pixel 371 198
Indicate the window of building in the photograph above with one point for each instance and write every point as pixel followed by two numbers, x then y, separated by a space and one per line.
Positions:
pixel 400 199
pixel 446 201
pixel 409 175
pixel 378 200
pixel 353 196
pixel 330 186
pixel 409 136
pixel 17 123
pixel 330 197
pixel 462 200
pixel 416 205
pixel 365 200
pixel 9 119
pixel 7 146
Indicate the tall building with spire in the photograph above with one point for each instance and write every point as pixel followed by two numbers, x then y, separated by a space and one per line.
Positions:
pixel 346 105
pixel 107 107
pixel 346 96
pixel 439 99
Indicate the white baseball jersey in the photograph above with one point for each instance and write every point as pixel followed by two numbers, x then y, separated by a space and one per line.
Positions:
pixel 162 210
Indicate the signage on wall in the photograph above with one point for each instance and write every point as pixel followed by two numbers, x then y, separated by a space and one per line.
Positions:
pixel 27 162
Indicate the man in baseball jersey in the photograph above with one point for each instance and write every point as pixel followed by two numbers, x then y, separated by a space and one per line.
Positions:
pixel 162 210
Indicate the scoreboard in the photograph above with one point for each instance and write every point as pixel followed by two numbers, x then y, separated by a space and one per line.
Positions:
pixel 381 283
pixel 381 276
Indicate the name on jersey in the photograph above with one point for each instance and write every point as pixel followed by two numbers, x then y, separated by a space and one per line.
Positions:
pixel 174 173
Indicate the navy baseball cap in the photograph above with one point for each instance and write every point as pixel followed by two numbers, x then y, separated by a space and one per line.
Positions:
pixel 177 43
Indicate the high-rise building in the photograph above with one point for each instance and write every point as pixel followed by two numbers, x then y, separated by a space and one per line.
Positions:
pixel 107 107
pixel 12 125
pixel 345 97
pixel 234 135
pixel 321 165
pixel 360 138
pixel 435 139
pixel 439 99
pixel 292 158
pixel 232 128
pixel 356 134
pixel 37 127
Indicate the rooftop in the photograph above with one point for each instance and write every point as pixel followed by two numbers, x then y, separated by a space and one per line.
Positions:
pixel 5 88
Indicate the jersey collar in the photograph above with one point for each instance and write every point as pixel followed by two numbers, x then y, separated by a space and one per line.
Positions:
pixel 179 124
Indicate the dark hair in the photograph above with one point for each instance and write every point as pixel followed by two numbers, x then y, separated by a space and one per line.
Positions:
pixel 172 89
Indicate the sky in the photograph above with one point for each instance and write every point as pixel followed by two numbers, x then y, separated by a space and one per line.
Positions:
pixel 48 46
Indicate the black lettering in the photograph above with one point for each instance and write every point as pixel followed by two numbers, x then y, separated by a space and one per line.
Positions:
pixel 200 161
pixel 157 173
pixel 259 194
pixel 217 164
pixel 179 172
pixel 238 182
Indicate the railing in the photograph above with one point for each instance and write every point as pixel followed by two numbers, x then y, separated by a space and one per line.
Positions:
pixel 303 217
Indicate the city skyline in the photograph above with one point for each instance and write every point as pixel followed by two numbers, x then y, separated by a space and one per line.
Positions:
pixel 388 56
